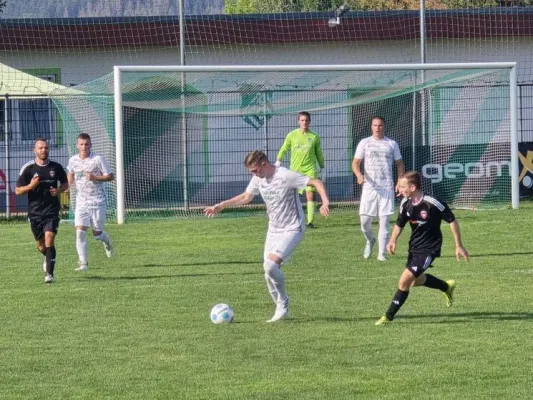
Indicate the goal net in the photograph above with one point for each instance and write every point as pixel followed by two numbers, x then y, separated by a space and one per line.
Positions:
pixel 183 132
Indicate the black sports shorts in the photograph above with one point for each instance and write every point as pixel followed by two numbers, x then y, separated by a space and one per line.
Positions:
pixel 418 263
pixel 40 225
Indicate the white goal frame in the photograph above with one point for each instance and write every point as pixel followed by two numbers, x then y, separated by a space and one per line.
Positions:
pixel 119 132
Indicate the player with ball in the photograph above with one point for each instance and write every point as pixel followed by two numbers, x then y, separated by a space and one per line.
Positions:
pixel 279 188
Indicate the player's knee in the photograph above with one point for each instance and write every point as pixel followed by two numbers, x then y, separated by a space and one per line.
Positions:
pixel 269 266
pixel 405 283
pixel 49 239
pixel 41 247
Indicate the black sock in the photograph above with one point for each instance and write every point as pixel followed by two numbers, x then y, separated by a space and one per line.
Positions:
pixel 43 252
pixel 396 303
pixel 435 283
pixel 50 260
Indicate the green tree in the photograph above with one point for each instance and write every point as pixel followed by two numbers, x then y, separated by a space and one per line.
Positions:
pixel 240 7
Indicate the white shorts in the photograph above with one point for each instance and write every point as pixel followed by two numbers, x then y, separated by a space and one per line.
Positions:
pixel 90 217
pixel 377 202
pixel 282 243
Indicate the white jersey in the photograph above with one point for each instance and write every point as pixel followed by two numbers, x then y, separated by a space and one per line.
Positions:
pixel 280 194
pixel 379 157
pixel 89 194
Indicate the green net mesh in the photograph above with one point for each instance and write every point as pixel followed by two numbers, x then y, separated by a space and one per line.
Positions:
pixel 186 134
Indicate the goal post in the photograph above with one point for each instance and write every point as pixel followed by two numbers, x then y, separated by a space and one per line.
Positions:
pixel 465 144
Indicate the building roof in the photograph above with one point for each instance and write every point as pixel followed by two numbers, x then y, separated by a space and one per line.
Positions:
pixel 208 30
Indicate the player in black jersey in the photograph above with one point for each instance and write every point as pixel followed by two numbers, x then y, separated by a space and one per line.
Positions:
pixel 424 213
pixel 43 180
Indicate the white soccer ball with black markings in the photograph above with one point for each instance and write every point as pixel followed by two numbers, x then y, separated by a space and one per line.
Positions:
pixel 222 314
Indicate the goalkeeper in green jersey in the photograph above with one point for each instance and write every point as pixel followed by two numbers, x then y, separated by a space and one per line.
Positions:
pixel 306 153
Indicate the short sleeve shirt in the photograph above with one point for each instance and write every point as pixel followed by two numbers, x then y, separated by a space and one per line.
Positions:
pixel 89 194
pixel 280 194
pixel 40 202
pixel 379 157
pixel 425 220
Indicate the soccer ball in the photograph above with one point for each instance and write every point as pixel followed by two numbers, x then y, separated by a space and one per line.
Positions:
pixel 221 314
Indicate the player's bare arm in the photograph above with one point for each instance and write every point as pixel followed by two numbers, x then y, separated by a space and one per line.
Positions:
pixel 460 251
pixel 391 246
pixel 321 189
pixel 356 168
pixel 20 190
pixel 400 168
pixel 71 179
pixel 239 200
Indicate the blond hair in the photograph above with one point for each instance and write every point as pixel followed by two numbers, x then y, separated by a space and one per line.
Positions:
pixel 412 178
pixel 255 158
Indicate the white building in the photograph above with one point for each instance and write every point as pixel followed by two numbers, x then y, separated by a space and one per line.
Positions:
pixel 75 51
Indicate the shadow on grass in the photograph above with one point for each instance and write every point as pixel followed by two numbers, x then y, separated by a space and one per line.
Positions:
pixel 511 253
pixel 168 276
pixel 470 317
pixel 457 318
pixel 199 264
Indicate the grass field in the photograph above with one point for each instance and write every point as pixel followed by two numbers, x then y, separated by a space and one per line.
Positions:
pixel 137 326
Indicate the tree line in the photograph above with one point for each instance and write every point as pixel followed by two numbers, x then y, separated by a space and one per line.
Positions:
pixel 127 8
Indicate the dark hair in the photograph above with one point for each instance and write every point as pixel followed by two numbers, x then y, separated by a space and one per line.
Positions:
pixel 84 136
pixel 255 158
pixel 412 178
pixel 304 114
pixel 373 117
pixel 41 139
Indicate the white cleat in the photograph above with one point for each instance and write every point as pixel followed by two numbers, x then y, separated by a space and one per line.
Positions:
pixel 367 252
pixel 48 278
pixel 381 257
pixel 82 266
pixel 109 250
pixel 282 311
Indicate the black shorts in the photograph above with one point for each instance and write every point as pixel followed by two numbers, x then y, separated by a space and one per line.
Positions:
pixel 418 263
pixel 40 225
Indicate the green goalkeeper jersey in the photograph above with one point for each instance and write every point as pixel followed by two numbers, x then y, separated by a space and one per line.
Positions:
pixel 305 152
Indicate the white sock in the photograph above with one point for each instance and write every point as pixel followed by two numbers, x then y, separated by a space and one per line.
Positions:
pixel 103 237
pixel 81 245
pixel 383 235
pixel 271 288
pixel 278 279
pixel 366 227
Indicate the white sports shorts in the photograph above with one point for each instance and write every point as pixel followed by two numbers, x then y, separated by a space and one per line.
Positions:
pixel 377 202
pixel 282 243
pixel 90 217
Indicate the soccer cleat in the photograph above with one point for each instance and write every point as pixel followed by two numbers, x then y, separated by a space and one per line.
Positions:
pixel 48 278
pixel 368 248
pixel 449 293
pixel 310 225
pixel 383 321
pixel 282 311
pixel 82 266
pixel 381 257
pixel 109 250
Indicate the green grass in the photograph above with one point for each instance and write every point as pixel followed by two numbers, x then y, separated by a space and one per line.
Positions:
pixel 137 326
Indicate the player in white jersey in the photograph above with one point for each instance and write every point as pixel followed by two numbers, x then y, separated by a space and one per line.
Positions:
pixel 88 171
pixel 378 153
pixel 279 188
